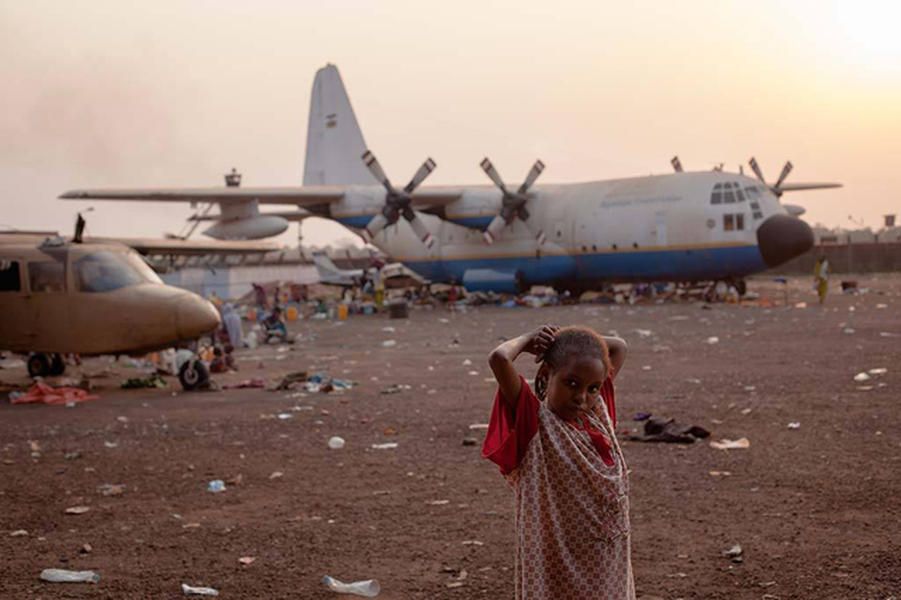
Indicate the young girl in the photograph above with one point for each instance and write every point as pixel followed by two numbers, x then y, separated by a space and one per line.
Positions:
pixel 559 452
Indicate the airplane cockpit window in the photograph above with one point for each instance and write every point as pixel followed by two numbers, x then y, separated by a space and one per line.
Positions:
pixel 9 276
pixel 47 276
pixel 107 271
pixel 727 193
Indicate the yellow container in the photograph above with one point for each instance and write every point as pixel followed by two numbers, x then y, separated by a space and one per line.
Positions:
pixel 342 312
pixel 291 313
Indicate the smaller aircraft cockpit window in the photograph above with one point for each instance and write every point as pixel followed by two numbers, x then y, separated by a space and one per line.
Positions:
pixel 9 276
pixel 107 271
pixel 46 276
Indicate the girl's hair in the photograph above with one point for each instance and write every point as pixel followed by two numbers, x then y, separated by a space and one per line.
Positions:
pixel 573 342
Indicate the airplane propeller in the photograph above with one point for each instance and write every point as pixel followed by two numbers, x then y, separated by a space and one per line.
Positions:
pixel 514 203
pixel 398 202
pixel 777 188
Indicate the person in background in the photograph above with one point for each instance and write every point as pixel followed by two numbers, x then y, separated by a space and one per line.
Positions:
pixel 232 323
pixel 275 326
pixel 821 277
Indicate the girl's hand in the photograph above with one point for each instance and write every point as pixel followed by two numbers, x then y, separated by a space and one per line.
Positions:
pixel 540 340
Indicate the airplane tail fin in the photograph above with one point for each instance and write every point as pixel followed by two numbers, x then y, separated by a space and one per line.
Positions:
pixel 324 265
pixel 334 141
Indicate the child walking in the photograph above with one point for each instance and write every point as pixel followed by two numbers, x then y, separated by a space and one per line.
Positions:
pixel 558 450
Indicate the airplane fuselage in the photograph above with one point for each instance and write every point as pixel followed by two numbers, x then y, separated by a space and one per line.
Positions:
pixel 663 227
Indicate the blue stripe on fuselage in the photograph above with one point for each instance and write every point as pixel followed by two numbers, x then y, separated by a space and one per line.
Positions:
pixel 653 265
pixel 480 223
pixel 356 222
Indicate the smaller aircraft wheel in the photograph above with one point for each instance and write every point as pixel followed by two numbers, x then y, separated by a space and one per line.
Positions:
pixel 741 287
pixel 57 365
pixel 38 365
pixel 193 374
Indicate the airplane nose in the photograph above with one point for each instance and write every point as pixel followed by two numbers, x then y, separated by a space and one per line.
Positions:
pixel 782 238
pixel 195 317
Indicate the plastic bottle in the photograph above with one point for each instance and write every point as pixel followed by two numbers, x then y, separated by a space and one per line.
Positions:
pixel 336 443
pixel 64 576
pixel 216 486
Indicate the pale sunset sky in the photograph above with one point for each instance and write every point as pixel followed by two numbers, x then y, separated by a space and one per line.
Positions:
pixel 164 93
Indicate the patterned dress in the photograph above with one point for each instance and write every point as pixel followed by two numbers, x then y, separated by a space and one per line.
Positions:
pixel 571 494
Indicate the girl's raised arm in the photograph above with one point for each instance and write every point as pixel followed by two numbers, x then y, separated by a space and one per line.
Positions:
pixel 618 350
pixel 501 359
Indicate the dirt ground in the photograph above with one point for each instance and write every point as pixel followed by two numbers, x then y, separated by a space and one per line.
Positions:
pixel 816 509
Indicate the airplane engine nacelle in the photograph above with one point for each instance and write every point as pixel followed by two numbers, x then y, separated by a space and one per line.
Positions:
pixel 490 280
pixel 251 228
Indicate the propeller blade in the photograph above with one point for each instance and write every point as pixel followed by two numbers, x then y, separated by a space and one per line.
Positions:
pixel 422 232
pixel 494 229
pixel 375 225
pixel 424 171
pixel 536 170
pixel 375 168
pixel 493 175
pixel 677 164
pixel 756 168
pixel 785 171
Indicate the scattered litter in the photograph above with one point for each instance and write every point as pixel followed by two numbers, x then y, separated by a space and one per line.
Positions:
pixel 473 372
pixel 468 441
pixel 42 393
pixel 336 443
pixel 438 502
pixel 190 590
pixel 290 379
pixel 285 416
pixel 18 533
pixel 848 330
pixel 85 549
pixel 216 486
pixel 713 340
pixel 879 371
pixel 641 416
pixel 467 362
pixel 880 305
pixel 395 388
pixel 738 444
pixel 388 329
pixel 746 411
pixel 801 305
pixel 389 344
pixel 720 473
pixel 110 489
pixel 734 553
pixel 861 377
pixel 107 444
pixel 368 588
pixel 889 334
pixel 151 381
pixel 476 426
pixel 77 510
pixel 253 383
pixel 247 560
pixel 473 543
pixel 385 446
pixel 658 429
pixel 794 425
pixel 64 576
pixel 276 475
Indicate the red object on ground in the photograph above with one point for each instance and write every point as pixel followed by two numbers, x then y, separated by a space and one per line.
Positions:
pixel 43 393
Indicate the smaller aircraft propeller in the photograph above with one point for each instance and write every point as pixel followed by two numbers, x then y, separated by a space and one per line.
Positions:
pixel 398 202
pixel 777 188
pixel 514 203
pixel 677 164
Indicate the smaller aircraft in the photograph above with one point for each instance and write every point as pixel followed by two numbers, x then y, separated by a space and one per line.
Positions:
pixel 330 274
pixel 91 297
pixel 393 274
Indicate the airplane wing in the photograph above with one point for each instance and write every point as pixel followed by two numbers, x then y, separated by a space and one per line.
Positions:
pixel 796 187
pixel 305 196
pixel 176 247
pixel 299 196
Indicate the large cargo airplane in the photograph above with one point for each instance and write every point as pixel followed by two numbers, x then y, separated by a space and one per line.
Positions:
pixel 681 226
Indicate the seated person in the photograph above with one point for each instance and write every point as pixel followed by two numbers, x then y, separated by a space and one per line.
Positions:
pixel 275 326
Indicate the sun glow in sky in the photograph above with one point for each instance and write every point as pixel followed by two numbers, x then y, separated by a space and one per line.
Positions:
pixel 108 94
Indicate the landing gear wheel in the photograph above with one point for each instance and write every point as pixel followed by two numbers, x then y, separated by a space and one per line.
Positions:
pixel 193 375
pixel 57 365
pixel 740 286
pixel 38 365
